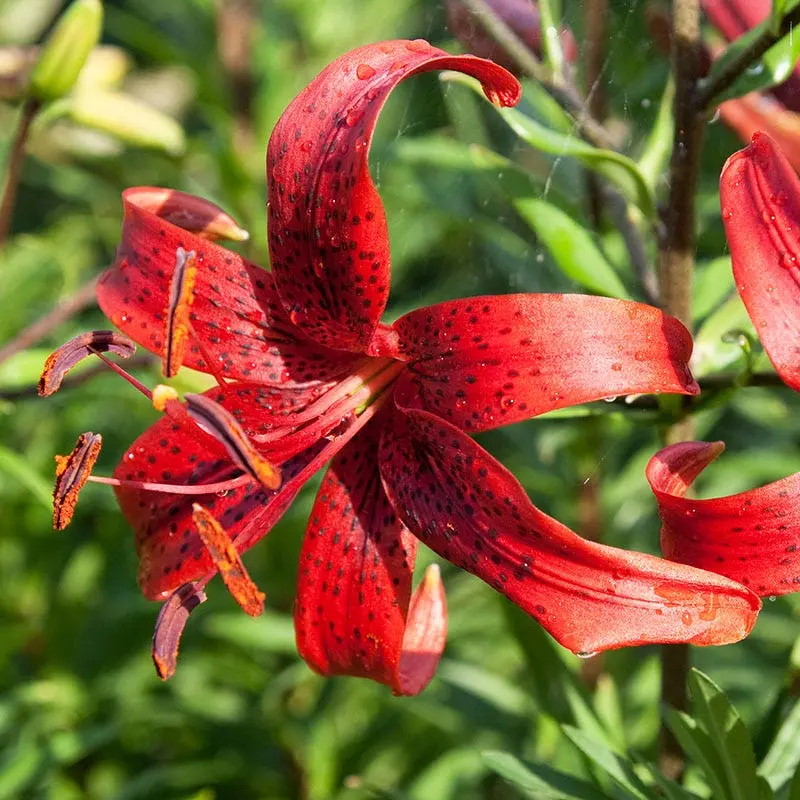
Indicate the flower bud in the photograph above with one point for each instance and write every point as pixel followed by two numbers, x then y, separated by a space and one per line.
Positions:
pixel 127 119
pixel 66 51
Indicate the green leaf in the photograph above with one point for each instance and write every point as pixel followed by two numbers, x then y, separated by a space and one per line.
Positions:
pixel 712 284
pixel 539 780
pixel 697 744
pixel 729 736
pixel 774 67
pixel 619 169
pixel 20 468
pixel 711 352
pixel 551 42
pixel 615 764
pixel 783 757
pixel 571 247
pixel 658 147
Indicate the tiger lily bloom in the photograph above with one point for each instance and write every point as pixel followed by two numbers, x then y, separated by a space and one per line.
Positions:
pixel 752 537
pixel 308 375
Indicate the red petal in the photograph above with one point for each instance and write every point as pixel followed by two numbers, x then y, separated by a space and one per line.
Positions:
pixel 464 505
pixel 752 537
pixel 735 17
pixel 760 197
pixel 522 16
pixel 354 582
pixel 490 361
pixel 235 310
pixel 170 549
pixel 329 245
pixel 757 112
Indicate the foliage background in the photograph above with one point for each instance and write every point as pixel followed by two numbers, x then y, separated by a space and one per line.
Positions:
pixel 82 714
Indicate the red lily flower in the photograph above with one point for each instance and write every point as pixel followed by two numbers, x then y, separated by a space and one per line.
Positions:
pixel 750 537
pixel 308 375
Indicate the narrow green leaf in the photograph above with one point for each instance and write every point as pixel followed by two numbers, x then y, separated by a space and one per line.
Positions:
pixel 712 284
pixel 18 467
pixel 619 169
pixel 551 42
pixel 571 247
pixel 729 734
pixel 539 780
pixel 783 757
pixel 658 147
pixel 772 68
pixel 616 765
pixel 697 744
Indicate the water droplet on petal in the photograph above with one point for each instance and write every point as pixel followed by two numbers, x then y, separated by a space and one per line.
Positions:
pixel 586 654
pixel 686 618
pixel 364 72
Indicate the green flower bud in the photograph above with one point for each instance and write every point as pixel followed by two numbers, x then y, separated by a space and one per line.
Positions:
pixel 128 119
pixel 63 55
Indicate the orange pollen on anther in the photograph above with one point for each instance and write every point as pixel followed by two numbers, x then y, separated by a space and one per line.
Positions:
pixel 227 560
pixel 72 472
pixel 162 395
pixel 181 296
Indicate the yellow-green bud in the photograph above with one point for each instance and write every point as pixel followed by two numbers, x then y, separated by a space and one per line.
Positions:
pixel 63 55
pixel 126 118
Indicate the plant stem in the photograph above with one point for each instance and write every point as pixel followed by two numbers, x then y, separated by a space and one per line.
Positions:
pixel 675 269
pixel 528 63
pixel 16 159
pixel 76 302
pixel 726 77
pixel 586 125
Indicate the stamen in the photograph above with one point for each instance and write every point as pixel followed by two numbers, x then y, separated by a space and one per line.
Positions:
pixel 175 488
pixel 72 472
pixel 181 297
pixel 226 559
pixel 170 624
pixel 62 360
pixel 217 422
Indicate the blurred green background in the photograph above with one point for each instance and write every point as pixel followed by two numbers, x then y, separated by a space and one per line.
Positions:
pixel 82 713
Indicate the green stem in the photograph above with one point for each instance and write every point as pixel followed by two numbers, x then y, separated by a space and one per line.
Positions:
pixel 16 158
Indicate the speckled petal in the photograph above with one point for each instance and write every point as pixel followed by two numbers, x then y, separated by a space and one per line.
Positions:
pixel 354 583
pixel 177 452
pixel 328 240
pixel 752 537
pixel 464 505
pixel 488 361
pixel 236 317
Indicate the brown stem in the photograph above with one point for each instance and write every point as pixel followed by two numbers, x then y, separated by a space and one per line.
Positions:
pixel 16 158
pixel 733 70
pixel 82 298
pixel 675 268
